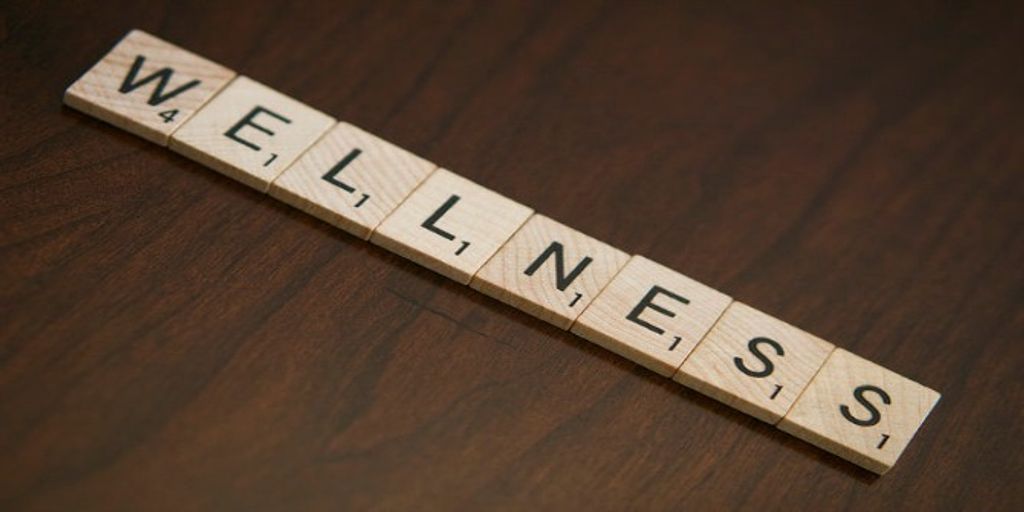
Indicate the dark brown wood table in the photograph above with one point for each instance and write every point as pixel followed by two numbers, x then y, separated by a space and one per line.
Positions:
pixel 171 340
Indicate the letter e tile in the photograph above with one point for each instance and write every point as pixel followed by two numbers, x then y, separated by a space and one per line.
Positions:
pixel 250 132
pixel 651 315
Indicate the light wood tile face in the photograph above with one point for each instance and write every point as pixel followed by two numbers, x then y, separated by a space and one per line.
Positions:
pixel 147 86
pixel 450 225
pixel 550 271
pixel 351 179
pixel 754 362
pixel 250 132
pixel 646 312
pixel 651 315
pixel 860 411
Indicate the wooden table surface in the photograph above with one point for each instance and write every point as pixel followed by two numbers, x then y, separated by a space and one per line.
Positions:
pixel 171 340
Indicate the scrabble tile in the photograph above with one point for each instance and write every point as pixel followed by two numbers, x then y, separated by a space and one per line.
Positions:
pixel 860 411
pixel 351 179
pixel 550 271
pixel 450 225
pixel 147 86
pixel 754 362
pixel 250 132
pixel 651 315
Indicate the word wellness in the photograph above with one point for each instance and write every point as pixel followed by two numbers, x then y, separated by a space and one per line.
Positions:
pixel 641 310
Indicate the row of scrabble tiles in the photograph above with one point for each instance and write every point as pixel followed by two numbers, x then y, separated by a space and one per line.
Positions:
pixel 630 305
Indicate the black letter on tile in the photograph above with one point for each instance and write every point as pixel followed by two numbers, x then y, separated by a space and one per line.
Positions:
pixel 562 280
pixel 858 395
pixel 752 345
pixel 431 223
pixel 163 76
pixel 232 132
pixel 648 302
pixel 332 175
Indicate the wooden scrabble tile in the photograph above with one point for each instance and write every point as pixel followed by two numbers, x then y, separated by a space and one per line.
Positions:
pixel 351 179
pixel 860 411
pixel 754 362
pixel 250 132
pixel 450 225
pixel 147 86
pixel 550 271
pixel 651 315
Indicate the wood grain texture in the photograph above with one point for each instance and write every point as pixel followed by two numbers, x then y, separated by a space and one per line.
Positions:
pixel 550 271
pixel 250 132
pixel 754 362
pixel 351 179
pixel 171 340
pixel 652 315
pixel 147 86
pixel 451 225
pixel 860 411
